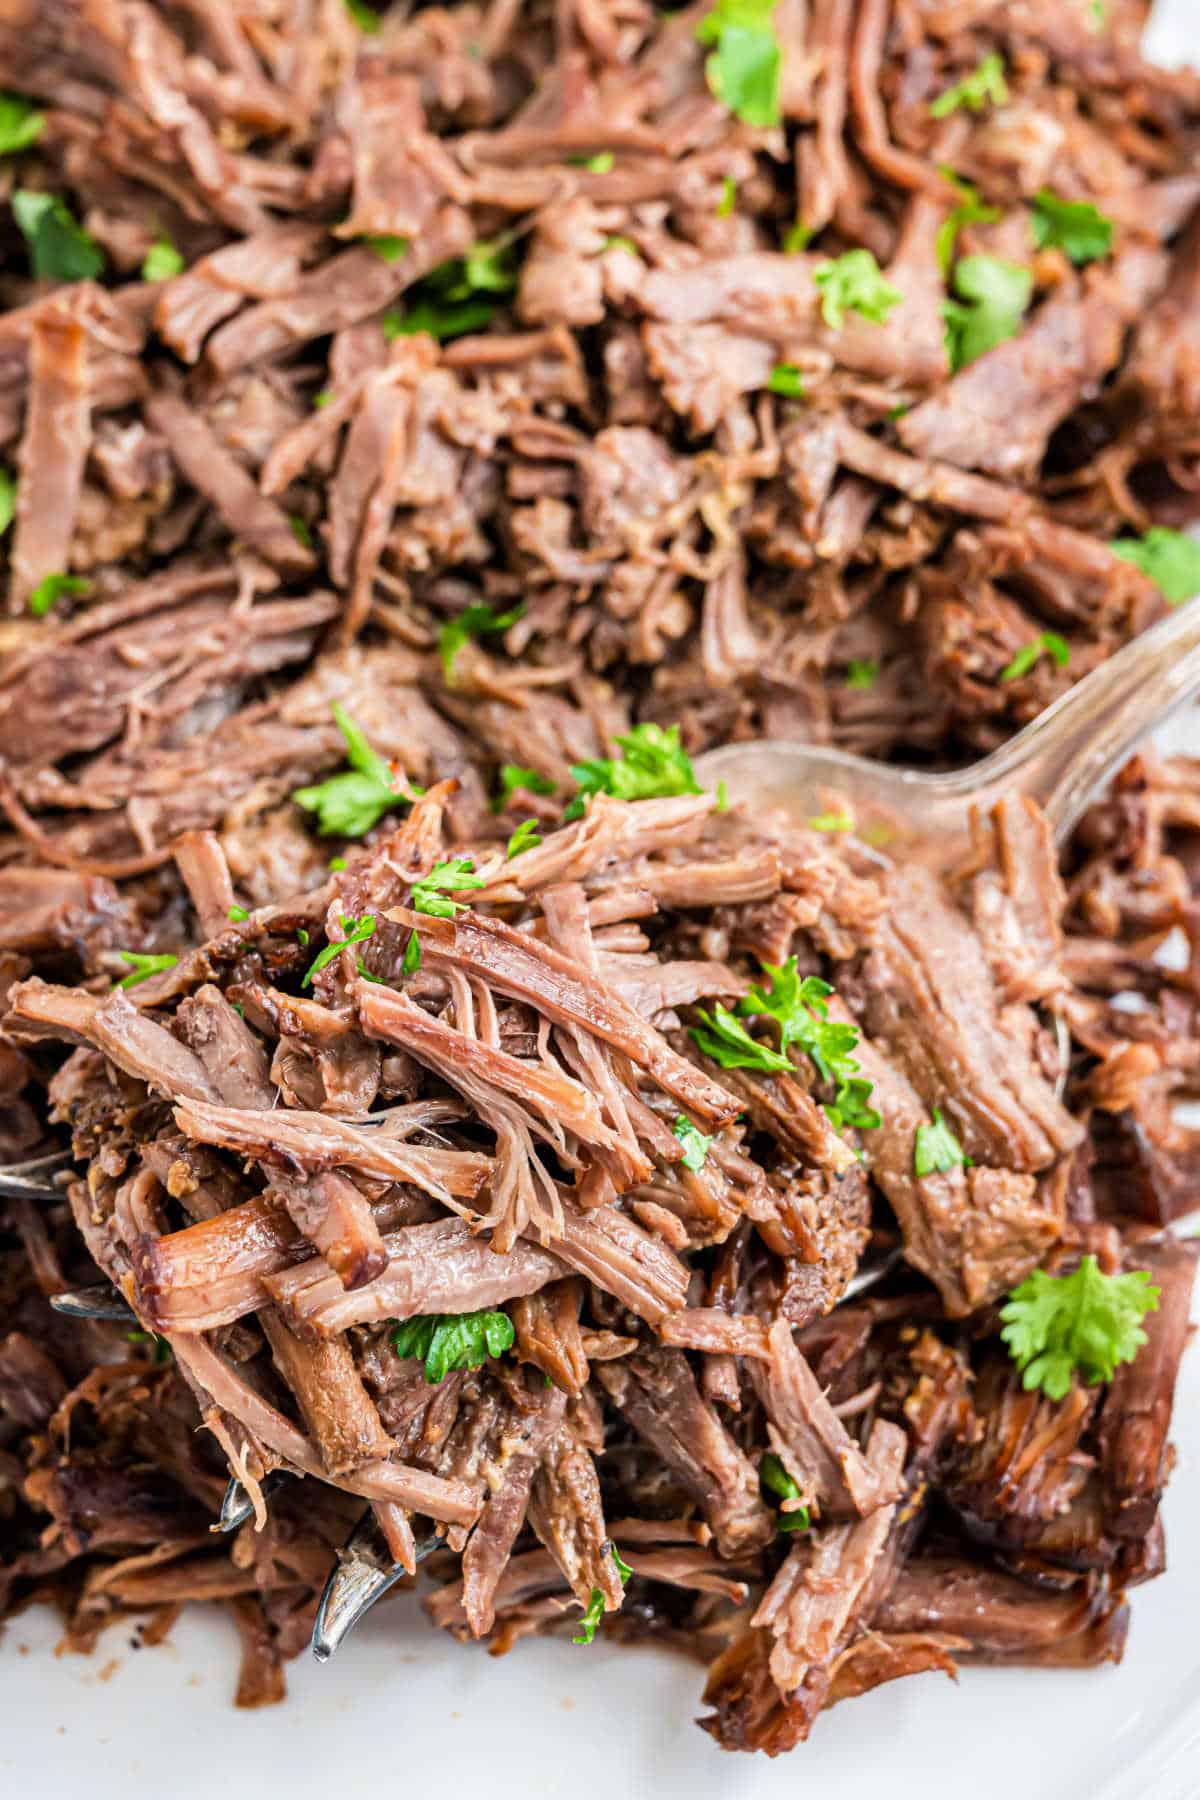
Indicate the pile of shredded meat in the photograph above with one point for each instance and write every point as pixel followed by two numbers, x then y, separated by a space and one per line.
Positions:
pixel 476 393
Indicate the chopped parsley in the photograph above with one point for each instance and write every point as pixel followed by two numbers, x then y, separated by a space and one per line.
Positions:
pixel 445 1341
pixel 238 913
pixel 322 399
pixel 621 243
pixel 1086 1322
pixel 742 67
pixel 453 298
pixel 1046 643
pixel 1170 558
pixel 594 1611
pixel 476 620
pixel 862 672
pixel 161 261
pixel 600 164
pixel 728 198
pixel 337 863
pixel 357 931
pixel 695 1145
pixel 162 1348
pixel 458 876
pixel 301 530
pixel 1075 226
pixel 992 296
pixel 798 1007
pixel 785 378
pixel 936 1150
pixel 389 245
pixel 652 765
pixel 142 967
pixel 525 837
pixel 21 124
pixel 54 588
pixel 854 282
pixel 985 86
pixel 364 16
pixel 724 1038
pixel 512 778
pixel 59 248
pixel 796 238
pixel 778 1483
pixel 831 821
pixel 347 805
pixel 412 955
pixel 970 210
pixel 8 498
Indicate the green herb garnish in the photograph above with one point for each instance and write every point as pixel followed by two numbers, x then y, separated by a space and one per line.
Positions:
pixel 724 1038
pixel 1055 1325
pixel 59 248
pixel 798 1007
pixel 970 211
pixel 983 87
pixel 476 620
pixel 777 1482
pixel 652 764
pixel 364 16
pixel 238 913
pixel 695 1145
pixel 161 261
pixel 357 931
pixel 445 1341
pixel 525 837
pixel 1170 558
pixel 347 805
pixel 831 821
pixel 389 245
pixel 854 282
pixel 785 378
pixel 8 499
pixel 512 778
pixel 142 967
pixel 457 876
pixel 742 68
pixel 862 672
pixel 412 955
pixel 1047 643
pixel 54 588
pixel 728 198
pixel 992 298
pixel 21 124
pixel 936 1150
pixel 1075 226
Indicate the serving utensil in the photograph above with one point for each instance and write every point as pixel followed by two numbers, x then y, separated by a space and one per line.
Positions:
pixel 1062 760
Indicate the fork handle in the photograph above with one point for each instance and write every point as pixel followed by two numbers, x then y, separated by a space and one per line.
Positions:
pixel 1072 749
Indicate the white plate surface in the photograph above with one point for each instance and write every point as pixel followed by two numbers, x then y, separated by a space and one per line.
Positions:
pixel 407 1714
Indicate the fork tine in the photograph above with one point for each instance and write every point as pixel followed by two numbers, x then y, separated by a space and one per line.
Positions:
pixel 34 1180
pixel 237 1506
pixel 868 1273
pixel 362 1575
pixel 99 1302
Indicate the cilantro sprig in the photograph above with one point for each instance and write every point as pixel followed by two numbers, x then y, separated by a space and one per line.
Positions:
pixel 54 588
pixel 786 379
pixel 59 248
pixel 992 296
pixel 652 764
pixel 723 1037
pixel 430 893
pixel 525 837
pixel 347 805
pixel 1074 226
pixel 1046 643
pixel 936 1150
pixel 476 620
pixel 695 1145
pixel 143 966
pixel 1058 1325
pixel 984 86
pixel 798 1006
pixel 1170 558
pixel 357 932
pixel 854 282
pixel 781 1486
pixel 21 124
pixel 455 298
pixel 446 1341
pixel 161 261
pixel 971 210
pixel 594 1611
pixel 513 777
pixel 742 67
pixel 862 672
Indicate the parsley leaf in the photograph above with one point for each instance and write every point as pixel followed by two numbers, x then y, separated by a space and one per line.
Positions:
pixel 776 1480
pixel 389 245
pixel 412 955
pixel 476 620
pixel 525 837
pixel 301 530
pixel 992 298
pixel 141 967
pixel 8 498
pixel 322 399
pixel 1047 643
pixel 742 69
pixel 1071 225
pixel 162 1347
pixel 970 211
pixel 512 778
pixel 59 248
pixel 48 592
pixel 984 85
pixel 347 805
pixel 445 878
pixel 600 164
pixel 854 283
pixel 452 299
pixel 728 198
pixel 161 261
pixel 238 913
pixel 727 1041
pixel 695 1145
pixel 441 322
pixel 838 821
pixel 20 124
pixel 445 1341
pixel 357 931
pixel 592 1616
pixel 796 238
pixel 1170 558
pixel 621 243
pixel 799 1008
pixel 652 764
pixel 1055 1325
pixel 786 379
pixel 862 672
pixel 364 16
pixel 936 1150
